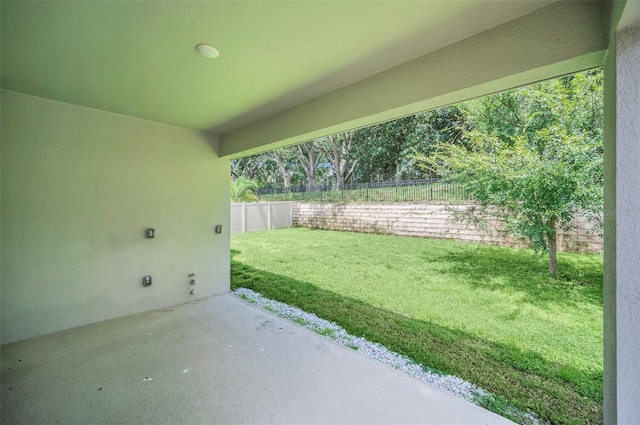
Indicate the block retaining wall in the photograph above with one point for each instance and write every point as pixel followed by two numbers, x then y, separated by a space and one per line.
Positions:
pixel 430 221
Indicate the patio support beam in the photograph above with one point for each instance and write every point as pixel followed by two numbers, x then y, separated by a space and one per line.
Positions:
pixel 560 38
pixel 622 209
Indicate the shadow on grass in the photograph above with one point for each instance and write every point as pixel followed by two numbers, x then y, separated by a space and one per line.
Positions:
pixel 557 392
pixel 508 270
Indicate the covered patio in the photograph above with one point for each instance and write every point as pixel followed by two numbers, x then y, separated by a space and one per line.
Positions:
pixel 217 360
pixel 113 124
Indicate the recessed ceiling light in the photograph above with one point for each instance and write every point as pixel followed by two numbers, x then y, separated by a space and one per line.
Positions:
pixel 207 51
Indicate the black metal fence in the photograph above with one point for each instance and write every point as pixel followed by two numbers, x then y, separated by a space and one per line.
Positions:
pixel 389 191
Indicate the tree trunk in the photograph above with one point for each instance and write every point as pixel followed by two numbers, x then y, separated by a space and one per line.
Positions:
pixel 286 174
pixel 311 174
pixel 336 149
pixel 307 158
pixel 553 249
pixel 339 181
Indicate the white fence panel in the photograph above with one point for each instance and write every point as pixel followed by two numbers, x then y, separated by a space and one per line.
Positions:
pixel 256 217
pixel 281 215
pixel 247 217
pixel 237 219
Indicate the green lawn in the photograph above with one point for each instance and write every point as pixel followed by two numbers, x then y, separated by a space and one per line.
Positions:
pixel 490 315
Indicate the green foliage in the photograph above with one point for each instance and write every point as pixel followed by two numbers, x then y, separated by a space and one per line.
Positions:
pixel 573 103
pixel 380 152
pixel 532 191
pixel 487 314
pixel 533 157
pixel 386 150
pixel 242 190
pixel 259 168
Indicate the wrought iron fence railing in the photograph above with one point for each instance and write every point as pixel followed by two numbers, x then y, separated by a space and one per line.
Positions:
pixel 389 191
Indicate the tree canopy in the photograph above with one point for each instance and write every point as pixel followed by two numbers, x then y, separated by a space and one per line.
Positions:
pixel 532 157
pixel 381 152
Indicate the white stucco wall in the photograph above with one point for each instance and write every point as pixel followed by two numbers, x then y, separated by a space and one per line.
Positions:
pixel 609 237
pixel 627 213
pixel 79 187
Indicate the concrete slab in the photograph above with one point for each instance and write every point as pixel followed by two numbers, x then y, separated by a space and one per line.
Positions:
pixel 218 360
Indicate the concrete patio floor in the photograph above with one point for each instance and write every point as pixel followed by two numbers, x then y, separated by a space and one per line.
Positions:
pixel 218 360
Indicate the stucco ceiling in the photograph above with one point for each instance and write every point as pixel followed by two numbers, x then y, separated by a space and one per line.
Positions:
pixel 138 58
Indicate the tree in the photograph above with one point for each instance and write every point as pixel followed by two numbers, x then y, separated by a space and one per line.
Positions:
pixel 287 165
pixel 383 150
pixel 533 158
pixel 384 147
pixel 306 154
pixel 259 168
pixel 338 150
pixel 243 190
pixel 387 150
pixel 245 167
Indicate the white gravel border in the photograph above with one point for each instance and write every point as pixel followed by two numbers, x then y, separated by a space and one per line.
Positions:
pixel 450 383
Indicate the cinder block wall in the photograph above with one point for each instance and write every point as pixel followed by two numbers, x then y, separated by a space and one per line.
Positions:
pixel 431 221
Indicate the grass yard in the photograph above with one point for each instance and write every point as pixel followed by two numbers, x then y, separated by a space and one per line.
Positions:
pixel 491 315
